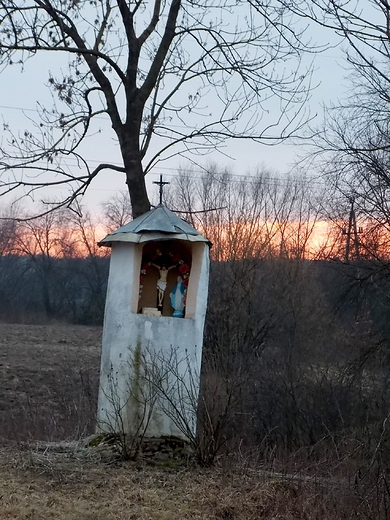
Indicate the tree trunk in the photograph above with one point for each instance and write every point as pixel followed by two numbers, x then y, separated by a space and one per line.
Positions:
pixel 132 159
pixel 135 181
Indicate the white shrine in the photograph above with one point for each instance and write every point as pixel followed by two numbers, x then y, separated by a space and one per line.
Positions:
pixel 153 327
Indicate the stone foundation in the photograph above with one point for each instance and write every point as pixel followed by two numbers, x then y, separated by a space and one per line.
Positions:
pixel 150 448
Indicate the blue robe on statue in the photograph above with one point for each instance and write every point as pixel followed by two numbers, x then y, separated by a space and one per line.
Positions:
pixel 177 298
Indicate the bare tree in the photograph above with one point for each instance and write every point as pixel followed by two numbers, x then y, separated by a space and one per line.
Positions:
pixel 353 146
pixel 91 273
pixel 61 269
pixel 117 211
pixel 184 75
pixel 249 217
pixel 42 241
pixel 8 227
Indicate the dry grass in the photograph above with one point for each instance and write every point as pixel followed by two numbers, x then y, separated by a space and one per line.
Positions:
pixel 63 483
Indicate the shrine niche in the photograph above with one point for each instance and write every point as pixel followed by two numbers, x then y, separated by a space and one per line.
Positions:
pixel 164 278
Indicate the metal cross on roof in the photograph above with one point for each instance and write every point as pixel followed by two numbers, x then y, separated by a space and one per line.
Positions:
pixel 161 184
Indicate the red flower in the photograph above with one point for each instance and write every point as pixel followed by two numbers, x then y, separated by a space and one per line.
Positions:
pixel 183 269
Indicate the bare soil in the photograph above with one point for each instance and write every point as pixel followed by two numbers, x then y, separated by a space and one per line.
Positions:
pixel 49 380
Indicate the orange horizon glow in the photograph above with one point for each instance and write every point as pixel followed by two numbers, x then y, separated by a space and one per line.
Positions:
pixel 236 240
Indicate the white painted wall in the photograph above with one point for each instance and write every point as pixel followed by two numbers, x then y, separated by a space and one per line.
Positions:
pixel 140 350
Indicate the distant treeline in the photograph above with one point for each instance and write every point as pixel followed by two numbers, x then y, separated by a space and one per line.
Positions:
pixel 38 289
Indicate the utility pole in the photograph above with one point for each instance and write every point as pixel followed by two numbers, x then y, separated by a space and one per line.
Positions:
pixel 352 228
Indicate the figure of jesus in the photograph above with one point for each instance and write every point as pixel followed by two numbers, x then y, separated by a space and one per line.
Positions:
pixel 162 283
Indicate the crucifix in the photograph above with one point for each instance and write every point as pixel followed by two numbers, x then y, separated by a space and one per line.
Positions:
pixel 161 185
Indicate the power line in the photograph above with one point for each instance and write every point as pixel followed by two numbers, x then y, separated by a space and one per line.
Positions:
pixel 200 173
pixel 19 108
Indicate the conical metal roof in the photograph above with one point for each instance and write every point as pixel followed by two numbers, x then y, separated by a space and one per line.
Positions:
pixel 158 223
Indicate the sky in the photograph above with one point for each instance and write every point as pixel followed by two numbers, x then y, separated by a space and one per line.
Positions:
pixel 22 88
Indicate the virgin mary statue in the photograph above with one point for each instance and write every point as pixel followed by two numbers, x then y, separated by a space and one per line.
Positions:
pixel 177 298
